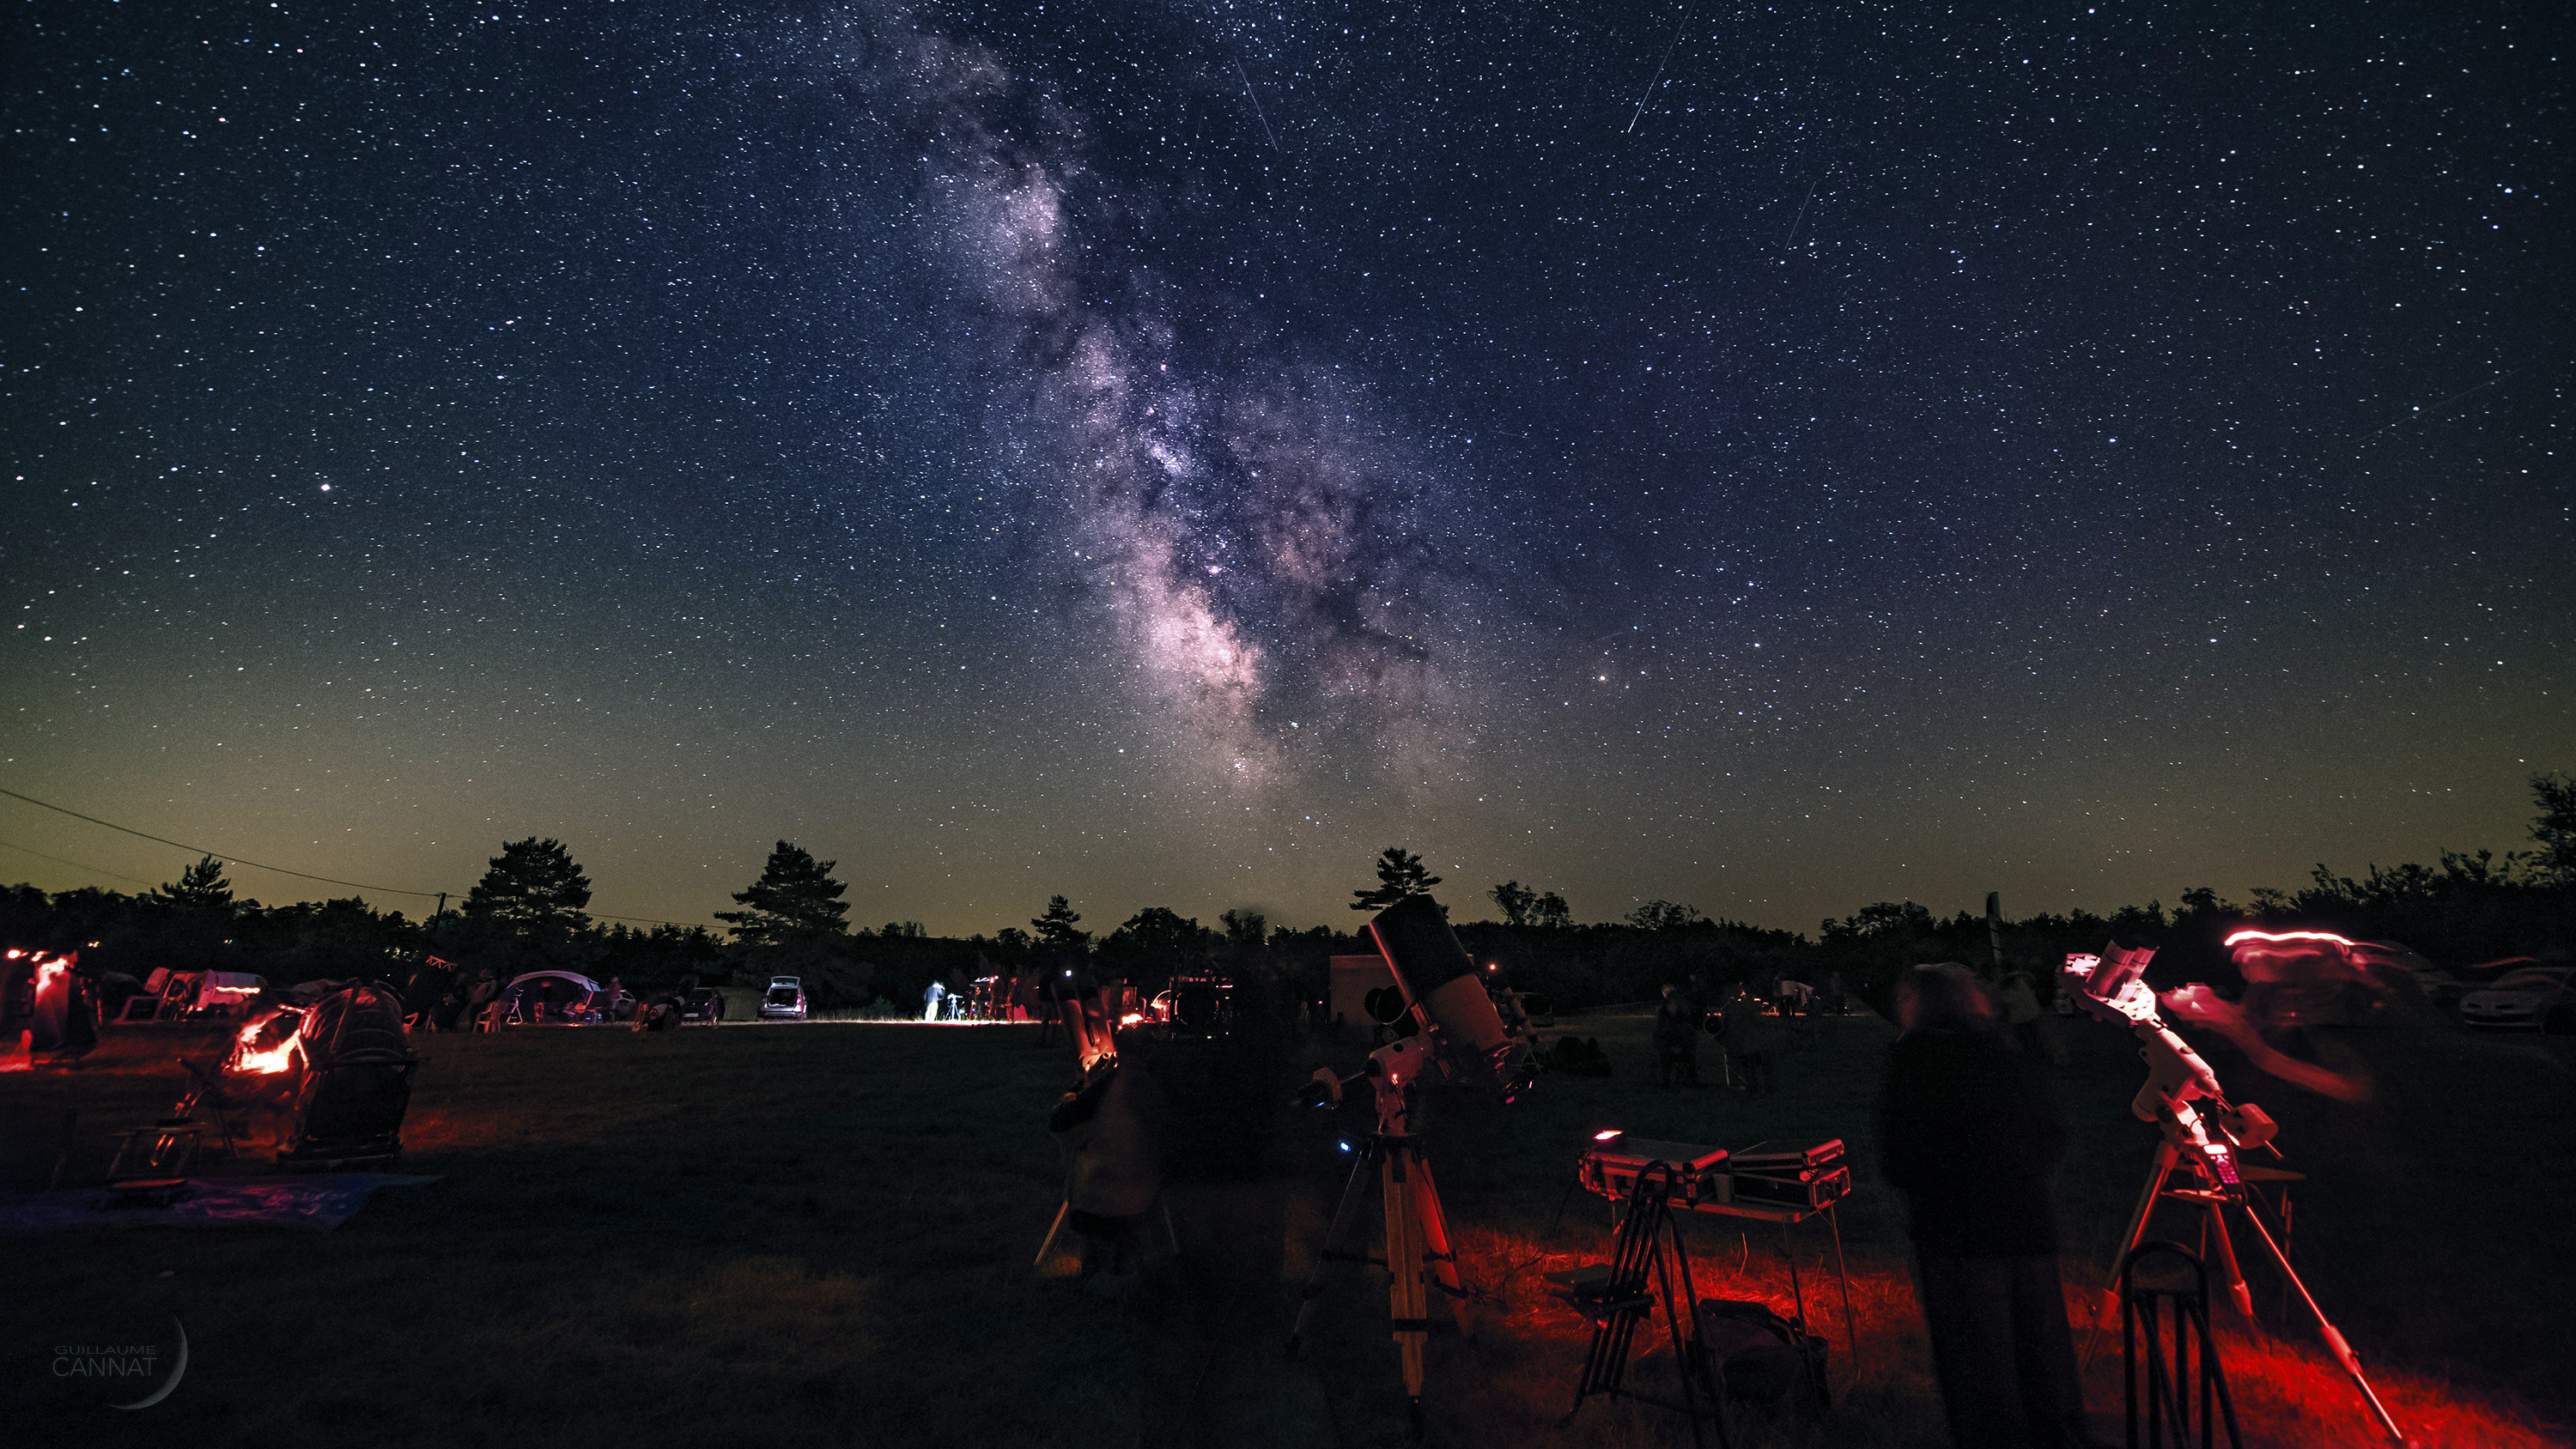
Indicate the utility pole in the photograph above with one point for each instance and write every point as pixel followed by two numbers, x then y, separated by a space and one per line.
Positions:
pixel 1995 931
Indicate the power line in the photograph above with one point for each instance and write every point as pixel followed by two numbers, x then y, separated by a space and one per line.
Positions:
pixel 647 920
pixel 74 864
pixel 234 860
pixel 229 860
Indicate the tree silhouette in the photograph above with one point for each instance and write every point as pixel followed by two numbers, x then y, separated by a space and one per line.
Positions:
pixel 2555 827
pixel 1663 915
pixel 201 887
pixel 1515 900
pixel 1056 928
pixel 1246 929
pixel 1551 912
pixel 1155 940
pixel 533 887
pixel 1400 876
pixel 795 899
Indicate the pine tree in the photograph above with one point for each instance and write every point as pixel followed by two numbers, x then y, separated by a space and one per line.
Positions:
pixel 534 886
pixel 1056 928
pixel 201 887
pixel 795 899
pixel 1400 876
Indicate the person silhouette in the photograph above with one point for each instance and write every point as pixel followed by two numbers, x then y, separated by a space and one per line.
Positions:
pixel 1971 1135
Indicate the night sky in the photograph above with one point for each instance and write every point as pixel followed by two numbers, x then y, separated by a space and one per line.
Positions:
pixel 1773 459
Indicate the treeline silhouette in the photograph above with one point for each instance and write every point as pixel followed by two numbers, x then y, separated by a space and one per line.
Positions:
pixel 528 913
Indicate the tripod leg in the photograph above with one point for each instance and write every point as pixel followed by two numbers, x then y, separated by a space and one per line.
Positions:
pixel 2166 1156
pixel 1436 1246
pixel 1797 1291
pixel 1335 1239
pixel 1056 1228
pixel 1851 1335
pixel 2237 1292
pixel 1674 1313
pixel 1405 1308
pixel 2334 1338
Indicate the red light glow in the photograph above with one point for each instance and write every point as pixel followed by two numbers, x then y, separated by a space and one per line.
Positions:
pixel 2288 1392
pixel 1608 1133
pixel 262 1063
pixel 2290 936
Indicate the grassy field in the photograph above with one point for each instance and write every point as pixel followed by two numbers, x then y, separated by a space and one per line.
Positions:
pixel 821 1234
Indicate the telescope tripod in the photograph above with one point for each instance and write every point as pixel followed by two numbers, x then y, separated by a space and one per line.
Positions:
pixel 2216 1187
pixel 1619 1294
pixel 1416 1246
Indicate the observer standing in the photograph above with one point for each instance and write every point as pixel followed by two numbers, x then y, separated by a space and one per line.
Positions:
pixel 1971 1136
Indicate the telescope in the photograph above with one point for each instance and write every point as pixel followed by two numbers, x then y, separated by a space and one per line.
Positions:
pixel 1447 1030
pixel 2208 1147
pixel 1075 994
pixel 1448 1035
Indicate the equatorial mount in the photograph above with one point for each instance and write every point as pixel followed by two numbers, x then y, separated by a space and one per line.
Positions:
pixel 2207 1146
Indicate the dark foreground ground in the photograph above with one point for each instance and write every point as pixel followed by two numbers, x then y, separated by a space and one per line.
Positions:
pixel 821 1234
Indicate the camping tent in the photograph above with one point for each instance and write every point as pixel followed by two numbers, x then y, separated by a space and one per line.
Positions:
pixel 552 998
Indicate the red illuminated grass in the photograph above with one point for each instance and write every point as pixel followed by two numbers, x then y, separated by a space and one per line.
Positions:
pixel 782 1237
pixel 2288 1393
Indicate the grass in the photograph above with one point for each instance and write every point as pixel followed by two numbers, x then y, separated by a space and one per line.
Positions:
pixel 820 1234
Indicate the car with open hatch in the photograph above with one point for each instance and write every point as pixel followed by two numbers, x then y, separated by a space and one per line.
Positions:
pixel 784 1000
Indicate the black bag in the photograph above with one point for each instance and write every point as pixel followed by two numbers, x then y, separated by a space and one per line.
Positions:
pixel 1760 1357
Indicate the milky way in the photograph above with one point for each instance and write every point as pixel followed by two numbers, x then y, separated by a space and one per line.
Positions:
pixel 1258 543
pixel 1165 454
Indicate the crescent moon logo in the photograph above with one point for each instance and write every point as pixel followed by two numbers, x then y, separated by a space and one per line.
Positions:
pixel 176 1371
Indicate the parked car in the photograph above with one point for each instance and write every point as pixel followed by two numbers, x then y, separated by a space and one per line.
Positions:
pixel 2459 981
pixel 704 1004
pixel 2535 996
pixel 785 999
pixel 2441 989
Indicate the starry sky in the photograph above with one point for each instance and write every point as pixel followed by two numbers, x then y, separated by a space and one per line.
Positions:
pixel 1770 458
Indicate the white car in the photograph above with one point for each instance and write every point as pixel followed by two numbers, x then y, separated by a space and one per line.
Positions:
pixel 2535 996
pixel 784 1000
